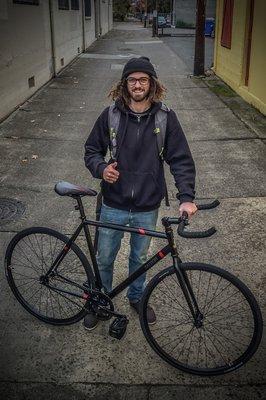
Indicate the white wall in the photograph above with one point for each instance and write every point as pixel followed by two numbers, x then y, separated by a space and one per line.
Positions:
pixel 67 33
pixel 25 51
pixel 104 16
pixel 89 27
pixel 26 44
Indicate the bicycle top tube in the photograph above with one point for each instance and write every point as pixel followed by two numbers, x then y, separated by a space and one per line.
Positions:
pixel 124 228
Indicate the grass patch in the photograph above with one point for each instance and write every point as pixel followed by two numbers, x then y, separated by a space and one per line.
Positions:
pixel 222 90
pixel 182 24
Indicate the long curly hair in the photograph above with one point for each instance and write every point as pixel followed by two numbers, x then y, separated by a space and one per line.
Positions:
pixel 119 91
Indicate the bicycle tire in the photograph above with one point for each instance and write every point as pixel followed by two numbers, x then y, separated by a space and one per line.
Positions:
pixel 224 343
pixel 28 256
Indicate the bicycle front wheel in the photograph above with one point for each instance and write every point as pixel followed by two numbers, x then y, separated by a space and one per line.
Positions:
pixel 29 256
pixel 231 327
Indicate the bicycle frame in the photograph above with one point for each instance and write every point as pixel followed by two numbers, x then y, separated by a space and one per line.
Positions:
pixel 169 248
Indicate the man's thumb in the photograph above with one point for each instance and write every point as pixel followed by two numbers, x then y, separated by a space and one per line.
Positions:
pixel 114 164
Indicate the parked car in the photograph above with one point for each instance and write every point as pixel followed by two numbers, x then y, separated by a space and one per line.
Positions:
pixel 162 23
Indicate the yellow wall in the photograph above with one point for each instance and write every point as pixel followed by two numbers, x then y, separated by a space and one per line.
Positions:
pixel 229 64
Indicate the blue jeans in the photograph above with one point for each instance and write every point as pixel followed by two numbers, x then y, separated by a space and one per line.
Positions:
pixel 109 243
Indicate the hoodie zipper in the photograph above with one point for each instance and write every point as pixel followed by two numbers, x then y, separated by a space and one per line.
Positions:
pixel 138 117
pixel 133 189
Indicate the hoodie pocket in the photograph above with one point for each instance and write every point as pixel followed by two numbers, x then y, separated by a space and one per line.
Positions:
pixel 133 189
pixel 146 191
pixel 119 192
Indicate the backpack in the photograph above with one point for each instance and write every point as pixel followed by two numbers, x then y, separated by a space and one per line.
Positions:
pixel 160 128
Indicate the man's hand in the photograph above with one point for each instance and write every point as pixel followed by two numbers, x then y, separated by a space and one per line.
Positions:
pixel 110 174
pixel 188 207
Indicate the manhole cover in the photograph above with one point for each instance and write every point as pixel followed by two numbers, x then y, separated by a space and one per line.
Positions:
pixel 10 210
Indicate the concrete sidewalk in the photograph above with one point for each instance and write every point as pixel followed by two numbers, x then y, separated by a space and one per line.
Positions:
pixel 42 143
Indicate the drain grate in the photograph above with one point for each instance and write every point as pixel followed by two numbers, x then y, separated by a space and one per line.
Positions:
pixel 10 210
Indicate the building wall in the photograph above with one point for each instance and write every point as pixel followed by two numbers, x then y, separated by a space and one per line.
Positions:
pixel 185 10
pixel 89 27
pixel 68 34
pixel 257 73
pixel 25 50
pixel 230 64
pixel 105 16
pixel 26 44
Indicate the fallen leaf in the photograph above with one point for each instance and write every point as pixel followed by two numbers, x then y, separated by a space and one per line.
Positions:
pixel 34 156
pixel 24 160
pixel 14 137
pixel 33 120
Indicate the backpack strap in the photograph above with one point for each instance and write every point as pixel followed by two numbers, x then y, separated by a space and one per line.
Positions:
pixel 113 124
pixel 160 130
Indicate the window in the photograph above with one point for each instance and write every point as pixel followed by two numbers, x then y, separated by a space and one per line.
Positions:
pixel 74 4
pixel 31 2
pixel 227 23
pixel 87 8
pixel 63 4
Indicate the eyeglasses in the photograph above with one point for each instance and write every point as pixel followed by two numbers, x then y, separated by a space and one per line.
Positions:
pixel 142 81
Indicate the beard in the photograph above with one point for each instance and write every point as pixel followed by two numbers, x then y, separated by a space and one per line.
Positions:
pixel 139 96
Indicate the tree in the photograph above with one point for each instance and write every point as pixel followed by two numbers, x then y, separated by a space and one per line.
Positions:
pixel 120 9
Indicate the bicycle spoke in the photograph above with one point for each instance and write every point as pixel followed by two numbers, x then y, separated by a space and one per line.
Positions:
pixel 33 255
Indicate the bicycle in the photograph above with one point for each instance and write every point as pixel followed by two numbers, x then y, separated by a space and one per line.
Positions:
pixel 209 322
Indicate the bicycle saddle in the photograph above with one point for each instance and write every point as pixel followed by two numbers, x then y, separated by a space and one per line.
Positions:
pixel 69 189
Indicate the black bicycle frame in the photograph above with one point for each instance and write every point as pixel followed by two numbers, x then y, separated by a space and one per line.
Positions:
pixel 169 248
pixel 145 267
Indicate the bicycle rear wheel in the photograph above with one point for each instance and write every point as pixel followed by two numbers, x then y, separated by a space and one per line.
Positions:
pixel 232 321
pixel 29 256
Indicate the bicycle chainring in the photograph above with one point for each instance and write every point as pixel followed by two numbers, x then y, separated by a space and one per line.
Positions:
pixel 100 304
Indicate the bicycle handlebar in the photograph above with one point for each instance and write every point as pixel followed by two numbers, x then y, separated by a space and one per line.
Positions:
pixel 208 206
pixel 183 221
pixel 192 235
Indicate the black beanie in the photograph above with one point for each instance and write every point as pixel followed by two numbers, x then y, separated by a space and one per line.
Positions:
pixel 141 64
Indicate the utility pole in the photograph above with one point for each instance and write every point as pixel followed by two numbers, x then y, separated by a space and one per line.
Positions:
pixel 200 38
pixel 145 13
pixel 155 19
pixel 173 13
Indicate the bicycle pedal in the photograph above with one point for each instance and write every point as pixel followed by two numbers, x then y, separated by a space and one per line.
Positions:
pixel 118 327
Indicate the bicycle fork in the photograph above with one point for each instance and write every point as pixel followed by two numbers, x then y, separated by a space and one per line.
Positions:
pixel 182 277
pixel 188 293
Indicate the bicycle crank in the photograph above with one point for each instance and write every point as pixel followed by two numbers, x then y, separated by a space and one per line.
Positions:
pixel 118 327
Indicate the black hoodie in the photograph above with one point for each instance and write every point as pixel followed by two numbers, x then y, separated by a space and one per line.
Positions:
pixel 141 184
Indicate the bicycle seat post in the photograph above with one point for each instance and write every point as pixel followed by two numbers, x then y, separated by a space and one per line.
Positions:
pixel 80 207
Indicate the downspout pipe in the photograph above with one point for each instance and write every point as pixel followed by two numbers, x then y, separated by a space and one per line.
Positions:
pixel 83 26
pixel 52 37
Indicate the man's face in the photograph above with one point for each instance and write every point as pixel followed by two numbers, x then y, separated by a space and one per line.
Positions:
pixel 138 85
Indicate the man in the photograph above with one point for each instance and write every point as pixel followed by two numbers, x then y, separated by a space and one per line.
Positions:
pixel 133 184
